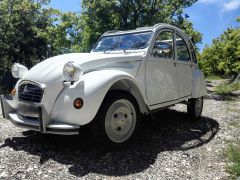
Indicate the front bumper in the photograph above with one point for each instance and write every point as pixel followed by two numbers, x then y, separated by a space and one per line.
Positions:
pixel 40 123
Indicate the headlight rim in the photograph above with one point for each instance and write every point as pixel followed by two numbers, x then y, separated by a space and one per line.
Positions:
pixel 15 73
pixel 74 75
pixel 68 76
pixel 21 70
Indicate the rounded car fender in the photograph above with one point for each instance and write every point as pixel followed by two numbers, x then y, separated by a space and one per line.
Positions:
pixel 198 84
pixel 92 88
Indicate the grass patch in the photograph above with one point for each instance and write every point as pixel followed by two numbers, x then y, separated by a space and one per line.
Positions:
pixel 213 77
pixel 233 154
pixel 234 124
pixel 226 88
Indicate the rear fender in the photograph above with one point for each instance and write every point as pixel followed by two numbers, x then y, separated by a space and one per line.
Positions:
pixel 198 84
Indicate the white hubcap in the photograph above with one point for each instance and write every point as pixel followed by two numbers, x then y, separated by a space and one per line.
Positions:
pixel 120 120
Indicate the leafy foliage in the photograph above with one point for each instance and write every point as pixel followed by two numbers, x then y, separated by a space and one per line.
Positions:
pixel 213 77
pixel 103 15
pixel 29 33
pixel 227 88
pixel 233 154
pixel 223 56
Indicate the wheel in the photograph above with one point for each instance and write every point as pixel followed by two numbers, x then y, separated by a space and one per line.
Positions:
pixel 195 107
pixel 117 121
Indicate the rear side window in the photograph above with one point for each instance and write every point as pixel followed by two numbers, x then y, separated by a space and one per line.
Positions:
pixel 182 49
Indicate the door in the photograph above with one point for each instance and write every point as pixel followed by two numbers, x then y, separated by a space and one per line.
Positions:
pixel 184 66
pixel 161 70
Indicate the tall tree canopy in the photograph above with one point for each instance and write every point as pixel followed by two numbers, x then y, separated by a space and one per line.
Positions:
pixel 103 15
pixel 31 32
pixel 223 56
pixel 20 22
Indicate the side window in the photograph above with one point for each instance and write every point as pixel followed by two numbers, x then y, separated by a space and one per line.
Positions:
pixel 163 47
pixel 182 49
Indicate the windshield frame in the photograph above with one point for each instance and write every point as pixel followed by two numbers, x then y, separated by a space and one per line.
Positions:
pixel 124 33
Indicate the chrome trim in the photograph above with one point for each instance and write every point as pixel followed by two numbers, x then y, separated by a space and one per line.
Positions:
pixel 24 125
pixel 28 124
pixel 42 86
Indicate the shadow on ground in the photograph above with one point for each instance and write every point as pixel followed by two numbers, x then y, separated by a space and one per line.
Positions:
pixel 172 130
pixel 221 97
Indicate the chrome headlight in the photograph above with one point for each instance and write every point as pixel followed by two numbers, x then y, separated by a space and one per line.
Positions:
pixel 72 72
pixel 18 70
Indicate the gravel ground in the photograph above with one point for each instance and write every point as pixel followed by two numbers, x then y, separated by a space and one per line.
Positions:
pixel 172 147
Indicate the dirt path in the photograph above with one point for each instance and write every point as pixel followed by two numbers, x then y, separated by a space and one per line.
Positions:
pixel 173 147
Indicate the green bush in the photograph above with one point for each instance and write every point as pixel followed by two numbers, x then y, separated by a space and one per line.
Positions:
pixel 223 56
pixel 227 88
pixel 213 77
pixel 233 154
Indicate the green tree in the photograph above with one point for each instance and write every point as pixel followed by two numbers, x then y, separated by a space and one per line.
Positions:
pixel 103 15
pixel 64 35
pixel 31 32
pixel 223 56
pixel 19 22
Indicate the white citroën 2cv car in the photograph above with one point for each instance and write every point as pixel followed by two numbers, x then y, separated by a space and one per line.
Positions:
pixel 127 74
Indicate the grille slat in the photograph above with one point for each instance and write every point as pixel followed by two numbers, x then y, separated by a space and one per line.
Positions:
pixel 30 93
pixel 34 95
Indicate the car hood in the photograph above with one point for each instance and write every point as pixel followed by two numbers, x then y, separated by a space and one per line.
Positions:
pixel 50 70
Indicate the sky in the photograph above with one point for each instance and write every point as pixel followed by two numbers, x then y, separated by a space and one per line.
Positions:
pixel 209 17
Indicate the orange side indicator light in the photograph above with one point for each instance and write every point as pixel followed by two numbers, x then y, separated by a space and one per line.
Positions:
pixel 13 92
pixel 78 103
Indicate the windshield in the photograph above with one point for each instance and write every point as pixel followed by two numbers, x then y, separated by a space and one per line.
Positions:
pixel 138 40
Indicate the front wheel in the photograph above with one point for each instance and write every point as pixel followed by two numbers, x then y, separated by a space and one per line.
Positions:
pixel 117 120
pixel 195 107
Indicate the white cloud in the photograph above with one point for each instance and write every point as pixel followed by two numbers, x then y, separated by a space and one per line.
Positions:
pixel 231 5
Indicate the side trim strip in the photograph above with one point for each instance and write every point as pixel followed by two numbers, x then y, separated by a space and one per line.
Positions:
pixel 169 101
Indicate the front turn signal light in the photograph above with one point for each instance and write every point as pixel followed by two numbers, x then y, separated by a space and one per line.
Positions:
pixel 78 103
pixel 13 92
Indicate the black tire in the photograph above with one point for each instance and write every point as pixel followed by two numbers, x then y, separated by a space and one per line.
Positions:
pixel 98 125
pixel 195 107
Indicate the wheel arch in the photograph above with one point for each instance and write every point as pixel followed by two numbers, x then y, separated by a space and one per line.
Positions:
pixel 130 87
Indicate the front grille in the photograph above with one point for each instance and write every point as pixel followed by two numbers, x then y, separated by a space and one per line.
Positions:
pixel 30 93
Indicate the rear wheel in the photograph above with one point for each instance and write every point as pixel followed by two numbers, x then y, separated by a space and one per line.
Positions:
pixel 195 107
pixel 117 121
